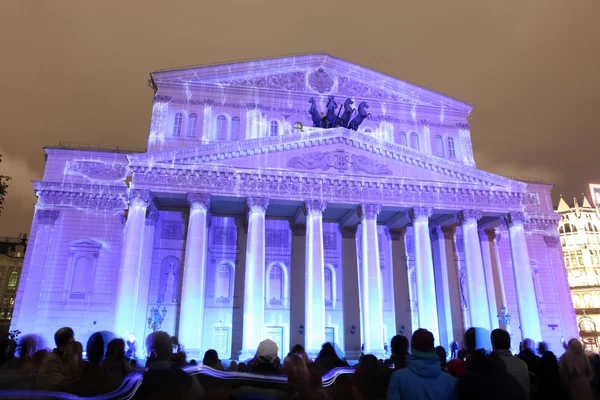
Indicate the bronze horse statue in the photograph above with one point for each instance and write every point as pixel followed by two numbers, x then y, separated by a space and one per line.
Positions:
pixel 362 114
pixel 315 114
pixel 348 111
pixel 331 118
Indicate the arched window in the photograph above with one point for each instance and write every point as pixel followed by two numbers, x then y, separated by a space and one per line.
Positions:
pixel 575 299
pixel 235 128
pixel 451 150
pixel 191 128
pixel 274 130
pixel 13 278
pixel 177 124
pixel 587 325
pixel 276 285
pixel 567 228
pixel 591 227
pixel 328 287
pixel 223 287
pixel 439 146
pixel 298 127
pixel 80 278
pixel 402 139
pixel 414 141
pixel 367 130
pixel 221 127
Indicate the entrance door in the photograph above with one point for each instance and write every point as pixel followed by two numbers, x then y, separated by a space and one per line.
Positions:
pixel 330 335
pixel 275 333
pixel 221 341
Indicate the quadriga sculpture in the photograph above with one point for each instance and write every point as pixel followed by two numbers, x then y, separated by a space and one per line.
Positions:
pixel 362 114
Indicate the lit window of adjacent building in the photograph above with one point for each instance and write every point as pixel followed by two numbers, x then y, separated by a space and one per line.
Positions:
pixel 177 124
pixel 298 127
pixel 587 325
pixel 439 146
pixel 414 141
pixel 13 278
pixel 191 128
pixel 402 139
pixel 451 150
pixel 235 128
pixel 274 130
pixel 221 127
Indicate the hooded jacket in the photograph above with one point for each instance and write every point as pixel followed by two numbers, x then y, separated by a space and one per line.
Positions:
pixel 422 379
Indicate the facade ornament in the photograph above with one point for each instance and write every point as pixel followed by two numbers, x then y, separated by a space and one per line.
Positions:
pixel 97 170
pixel 321 81
pixel 257 204
pixel 369 211
pixel 276 238
pixel 515 218
pixel 139 197
pixel 329 241
pixel 293 81
pixel 469 216
pixel 47 217
pixel 341 160
pixel 198 201
pixel 161 99
pixel 225 236
pixel 151 218
pixel 552 241
pixel 173 230
pixel 314 207
pixel 420 214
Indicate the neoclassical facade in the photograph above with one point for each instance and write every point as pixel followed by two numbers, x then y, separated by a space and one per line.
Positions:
pixel 580 239
pixel 244 220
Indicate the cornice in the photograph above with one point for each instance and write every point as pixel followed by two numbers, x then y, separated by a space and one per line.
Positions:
pixel 216 152
pixel 82 196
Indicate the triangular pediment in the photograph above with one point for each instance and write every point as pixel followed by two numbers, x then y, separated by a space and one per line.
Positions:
pixel 85 243
pixel 333 152
pixel 319 74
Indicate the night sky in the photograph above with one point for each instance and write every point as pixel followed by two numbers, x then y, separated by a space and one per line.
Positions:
pixel 78 70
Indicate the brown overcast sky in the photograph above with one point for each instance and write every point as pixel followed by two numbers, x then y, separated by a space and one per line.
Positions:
pixel 77 71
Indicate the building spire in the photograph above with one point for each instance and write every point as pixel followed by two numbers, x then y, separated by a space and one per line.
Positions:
pixel 563 206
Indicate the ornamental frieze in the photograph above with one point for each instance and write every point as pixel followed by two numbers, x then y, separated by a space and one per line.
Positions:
pixel 83 200
pixel 340 160
pixel 97 170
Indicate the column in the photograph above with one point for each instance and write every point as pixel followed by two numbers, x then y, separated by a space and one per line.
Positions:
pixel 191 314
pixel 141 315
pixel 314 277
pixel 426 300
pixel 298 286
pixel 401 283
pixel 30 289
pixel 350 278
pixel 476 288
pixel 526 301
pixel 485 238
pixel 503 310
pixel 442 286
pixel 254 283
pixel 371 280
pixel 131 259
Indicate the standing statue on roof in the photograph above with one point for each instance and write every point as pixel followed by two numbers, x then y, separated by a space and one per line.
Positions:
pixel 330 119
pixel 315 114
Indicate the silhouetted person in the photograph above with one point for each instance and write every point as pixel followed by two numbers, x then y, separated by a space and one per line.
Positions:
pixel 55 372
pixel 514 366
pixel 528 355
pixel 266 361
pixel 399 352
pixel 442 355
pixel 327 359
pixel 550 386
pixel 576 372
pixel 422 378
pixel 211 359
pixel 370 379
pixel 115 362
pixel 453 349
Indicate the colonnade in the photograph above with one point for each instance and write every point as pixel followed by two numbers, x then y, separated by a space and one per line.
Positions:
pixel 368 274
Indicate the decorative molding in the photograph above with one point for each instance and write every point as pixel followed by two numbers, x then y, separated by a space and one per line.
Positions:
pixel 198 201
pixel 151 218
pixel 515 218
pixel 276 238
pixel 172 230
pixel 82 199
pixel 369 211
pixel 552 241
pixel 314 207
pixel 225 236
pixel 420 214
pixel 291 81
pixel 139 197
pixel 257 204
pixel 341 160
pixel 161 99
pixel 47 217
pixel 321 81
pixel 97 170
pixel 469 216
pixel 329 241
pixel 354 88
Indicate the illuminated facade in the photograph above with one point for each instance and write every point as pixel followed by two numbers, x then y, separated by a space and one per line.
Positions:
pixel 12 254
pixel 243 221
pixel 580 239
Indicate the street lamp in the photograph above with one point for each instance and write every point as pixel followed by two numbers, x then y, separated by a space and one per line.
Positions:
pixel 156 317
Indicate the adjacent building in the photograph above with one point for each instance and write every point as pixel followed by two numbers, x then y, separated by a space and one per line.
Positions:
pixel 255 212
pixel 580 239
pixel 12 255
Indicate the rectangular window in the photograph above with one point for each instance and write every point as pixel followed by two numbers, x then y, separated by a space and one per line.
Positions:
pixel 221 340
pixel 330 335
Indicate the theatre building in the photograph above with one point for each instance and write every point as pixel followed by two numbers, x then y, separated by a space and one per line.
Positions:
pixel 305 199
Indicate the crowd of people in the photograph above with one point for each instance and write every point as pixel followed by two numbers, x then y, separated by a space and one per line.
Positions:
pixel 484 368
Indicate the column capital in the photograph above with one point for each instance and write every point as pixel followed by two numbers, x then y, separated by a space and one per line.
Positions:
pixel 151 218
pixel 420 214
pixel 395 234
pixel 257 204
pixel 348 231
pixel 469 216
pixel 47 217
pixel 515 218
pixel 369 211
pixel 139 197
pixel 161 99
pixel 490 234
pixel 198 201
pixel 314 206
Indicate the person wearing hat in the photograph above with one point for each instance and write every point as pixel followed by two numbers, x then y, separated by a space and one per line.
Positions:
pixel 266 360
pixel 422 378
